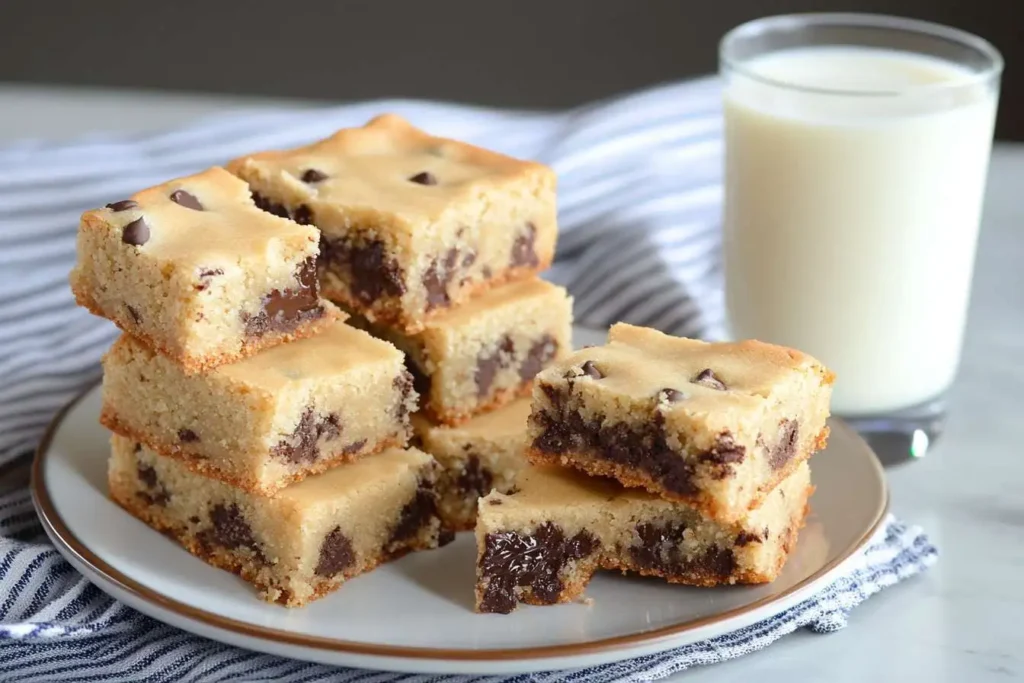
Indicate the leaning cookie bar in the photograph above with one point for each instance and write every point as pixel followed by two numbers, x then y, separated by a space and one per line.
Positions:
pixel 541 544
pixel 264 422
pixel 412 224
pixel 485 353
pixel 477 456
pixel 716 426
pixel 300 544
pixel 194 269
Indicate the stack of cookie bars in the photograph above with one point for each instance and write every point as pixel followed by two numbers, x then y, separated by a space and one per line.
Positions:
pixel 658 455
pixel 436 246
pixel 267 429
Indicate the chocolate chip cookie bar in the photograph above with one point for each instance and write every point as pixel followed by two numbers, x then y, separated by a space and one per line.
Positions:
pixel 195 270
pixel 541 544
pixel 482 454
pixel 412 224
pixel 271 419
pixel 302 543
pixel 484 354
pixel 716 426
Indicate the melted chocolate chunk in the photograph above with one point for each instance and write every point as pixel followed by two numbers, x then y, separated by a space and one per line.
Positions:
pixel 336 554
pixel 707 378
pixel 444 537
pixel 524 250
pixel 136 233
pixel 123 205
pixel 136 318
pixel 590 369
pixel 187 436
pixel 671 396
pixel 303 444
pixel 269 205
pixel 421 381
pixel 186 199
pixel 540 353
pixel 372 274
pixel 194 519
pixel 642 446
pixel 416 514
pixel 660 550
pixel 424 178
pixel 437 278
pixel 284 310
pixel 745 538
pixel 785 447
pixel 475 479
pixel 312 175
pixel 726 451
pixel 147 475
pixel 488 363
pixel 230 530
pixel 511 560
pixel 303 215
pixel 403 383
pixel 354 447
pixel 204 276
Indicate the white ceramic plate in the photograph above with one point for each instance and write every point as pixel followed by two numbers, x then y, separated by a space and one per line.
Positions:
pixel 416 614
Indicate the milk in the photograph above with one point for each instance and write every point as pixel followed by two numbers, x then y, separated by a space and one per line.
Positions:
pixel 851 220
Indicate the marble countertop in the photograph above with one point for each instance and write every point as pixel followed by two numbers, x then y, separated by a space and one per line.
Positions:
pixel 961 621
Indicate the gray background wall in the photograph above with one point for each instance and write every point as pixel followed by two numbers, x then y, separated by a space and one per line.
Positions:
pixel 526 53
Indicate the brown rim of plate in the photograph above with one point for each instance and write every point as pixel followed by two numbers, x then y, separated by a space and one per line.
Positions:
pixel 55 525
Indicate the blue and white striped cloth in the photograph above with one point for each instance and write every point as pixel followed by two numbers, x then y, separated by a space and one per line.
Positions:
pixel 639 194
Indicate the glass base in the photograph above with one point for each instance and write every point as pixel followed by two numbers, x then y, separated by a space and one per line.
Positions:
pixel 905 435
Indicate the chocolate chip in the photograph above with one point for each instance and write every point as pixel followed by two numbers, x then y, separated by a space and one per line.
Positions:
pixel 336 554
pixel 138 448
pixel 524 250
pixel 660 550
pixel 590 369
pixel 415 515
pixel 136 233
pixel 707 378
pixel 745 538
pixel 372 275
pixel 147 475
pixel 670 396
pixel 786 445
pixel 186 199
pixel 194 519
pixel 269 205
pixel 303 444
pixel 489 362
pixel 495 501
pixel 285 310
pixel 312 175
pixel 136 318
pixel 424 178
pixel 122 205
pixel 468 259
pixel 643 445
pixel 187 436
pixel 540 353
pixel 511 560
pixel 303 215
pixel 475 479
pixel 230 530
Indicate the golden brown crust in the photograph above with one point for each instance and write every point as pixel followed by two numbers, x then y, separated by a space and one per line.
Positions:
pixel 633 478
pixel 193 365
pixel 201 466
pixel 389 311
pixel 238 565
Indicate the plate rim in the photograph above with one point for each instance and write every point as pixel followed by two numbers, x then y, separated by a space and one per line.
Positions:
pixel 66 540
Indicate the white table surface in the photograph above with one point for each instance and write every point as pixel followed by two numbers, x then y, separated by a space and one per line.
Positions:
pixel 964 619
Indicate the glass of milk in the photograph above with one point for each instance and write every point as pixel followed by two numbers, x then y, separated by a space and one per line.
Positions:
pixel 856 153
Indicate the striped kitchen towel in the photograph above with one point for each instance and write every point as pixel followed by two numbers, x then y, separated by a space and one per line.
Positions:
pixel 639 194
